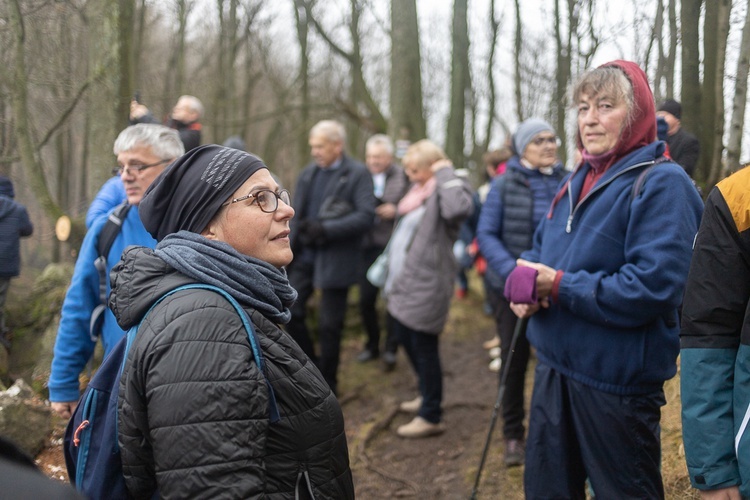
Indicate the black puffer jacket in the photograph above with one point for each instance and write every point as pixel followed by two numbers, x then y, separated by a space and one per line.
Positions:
pixel 194 407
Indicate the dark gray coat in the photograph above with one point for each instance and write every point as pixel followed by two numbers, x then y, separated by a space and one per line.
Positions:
pixel 337 259
pixel 396 185
pixel 194 407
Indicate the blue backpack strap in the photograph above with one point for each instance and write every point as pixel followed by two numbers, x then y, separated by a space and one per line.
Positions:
pixel 255 347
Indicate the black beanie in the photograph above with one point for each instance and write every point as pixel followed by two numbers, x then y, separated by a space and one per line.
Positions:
pixel 192 189
pixel 6 187
pixel 672 107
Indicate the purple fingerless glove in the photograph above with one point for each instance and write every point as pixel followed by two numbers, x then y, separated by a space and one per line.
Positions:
pixel 520 287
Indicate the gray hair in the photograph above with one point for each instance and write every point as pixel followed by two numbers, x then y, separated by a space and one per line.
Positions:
pixel 381 140
pixel 163 141
pixel 331 130
pixel 194 104
pixel 610 81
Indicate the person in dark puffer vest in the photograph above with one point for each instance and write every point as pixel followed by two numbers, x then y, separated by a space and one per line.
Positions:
pixel 517 201
pixel 14 224
pixel 196 415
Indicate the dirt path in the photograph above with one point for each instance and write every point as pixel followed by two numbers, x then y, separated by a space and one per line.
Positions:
pixel 443 467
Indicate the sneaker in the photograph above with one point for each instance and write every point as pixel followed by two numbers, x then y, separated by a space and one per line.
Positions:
pixel 419 428
pixel 412 406
pixel 495 365
pixel 495 342
pixel 494 352
pixel 367 355
pixel 514 452
pixel 389 361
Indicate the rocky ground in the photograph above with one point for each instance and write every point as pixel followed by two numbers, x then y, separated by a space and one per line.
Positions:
pixel 444 467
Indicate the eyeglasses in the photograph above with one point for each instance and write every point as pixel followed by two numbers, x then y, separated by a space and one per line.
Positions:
pixel 267 200
pixel 118 170
pixel 541 140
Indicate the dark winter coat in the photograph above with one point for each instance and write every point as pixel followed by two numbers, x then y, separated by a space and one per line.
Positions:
pixel 396 185
pixel 14 224
pixel 337 256
pixel 715 342
pixel 516 203
pixel 685 149
pixel 194 407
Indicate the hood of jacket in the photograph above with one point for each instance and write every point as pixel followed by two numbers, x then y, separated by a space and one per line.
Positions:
pixel 139 280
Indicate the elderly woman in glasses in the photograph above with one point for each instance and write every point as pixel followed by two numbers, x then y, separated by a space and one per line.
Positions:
pixel 200 417
pixel 516 203
pixel 609 264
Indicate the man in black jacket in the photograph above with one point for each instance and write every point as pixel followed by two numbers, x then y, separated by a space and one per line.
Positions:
pixel 335 207
pixel 390 185
pixel 684 147
pixel 185 119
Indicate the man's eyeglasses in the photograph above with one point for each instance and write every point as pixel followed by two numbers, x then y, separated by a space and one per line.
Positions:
pixel 118 170
pixel 541 140
pixel 267 200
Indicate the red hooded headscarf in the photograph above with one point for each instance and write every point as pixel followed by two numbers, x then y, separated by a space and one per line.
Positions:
pixel 639 132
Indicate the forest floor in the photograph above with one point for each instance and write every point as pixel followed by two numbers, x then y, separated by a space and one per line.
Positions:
pixel 442 467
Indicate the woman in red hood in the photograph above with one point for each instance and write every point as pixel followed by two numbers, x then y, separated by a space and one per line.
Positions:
pixel 608 268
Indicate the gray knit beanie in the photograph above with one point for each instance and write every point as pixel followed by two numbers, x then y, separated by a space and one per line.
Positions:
pixel 527 130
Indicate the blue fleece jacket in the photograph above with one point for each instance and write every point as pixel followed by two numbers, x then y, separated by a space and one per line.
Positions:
pixel 614 326
pixel 73 346
pixel 111 194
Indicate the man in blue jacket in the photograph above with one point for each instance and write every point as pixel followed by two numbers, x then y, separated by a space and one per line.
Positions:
pixel 335 207
pixel 14 224
pixel 143 152
pixel 715 346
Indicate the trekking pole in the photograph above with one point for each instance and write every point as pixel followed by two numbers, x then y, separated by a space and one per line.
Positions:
pixel 520 327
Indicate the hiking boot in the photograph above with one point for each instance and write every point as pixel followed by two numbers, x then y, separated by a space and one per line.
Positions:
pixel 389 361
pixel 367 355
pixel 412 406
pixel 514 452
pixel 494 342
pixel 419 428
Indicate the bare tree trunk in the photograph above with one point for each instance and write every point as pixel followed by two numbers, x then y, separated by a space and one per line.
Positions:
pixel 494 30
pixel 690 11
pixel 518 46
pixel 656 39
pixel 716 146
pixel 407 112
pixel 672 54
pixel 460 84
pixel 23 132
pixel 303 77
pixel 739 103
pixel 563 73
pixel 125 21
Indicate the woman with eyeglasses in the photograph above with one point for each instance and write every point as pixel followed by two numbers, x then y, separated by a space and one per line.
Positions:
pixel 201 414
pixel 517 201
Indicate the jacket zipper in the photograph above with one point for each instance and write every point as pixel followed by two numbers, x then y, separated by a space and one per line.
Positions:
pixel 574 208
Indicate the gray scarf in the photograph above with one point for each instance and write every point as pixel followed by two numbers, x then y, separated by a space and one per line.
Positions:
pixel 251 281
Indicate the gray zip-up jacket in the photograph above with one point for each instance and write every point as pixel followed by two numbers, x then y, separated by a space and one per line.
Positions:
pixel 421 294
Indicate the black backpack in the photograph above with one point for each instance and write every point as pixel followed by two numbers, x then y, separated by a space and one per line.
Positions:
pixel 92 453
pixel 111 229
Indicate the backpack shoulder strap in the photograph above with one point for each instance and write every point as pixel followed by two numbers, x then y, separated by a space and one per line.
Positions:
pixel 641 179
pixel 107 237
pixel 254 344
